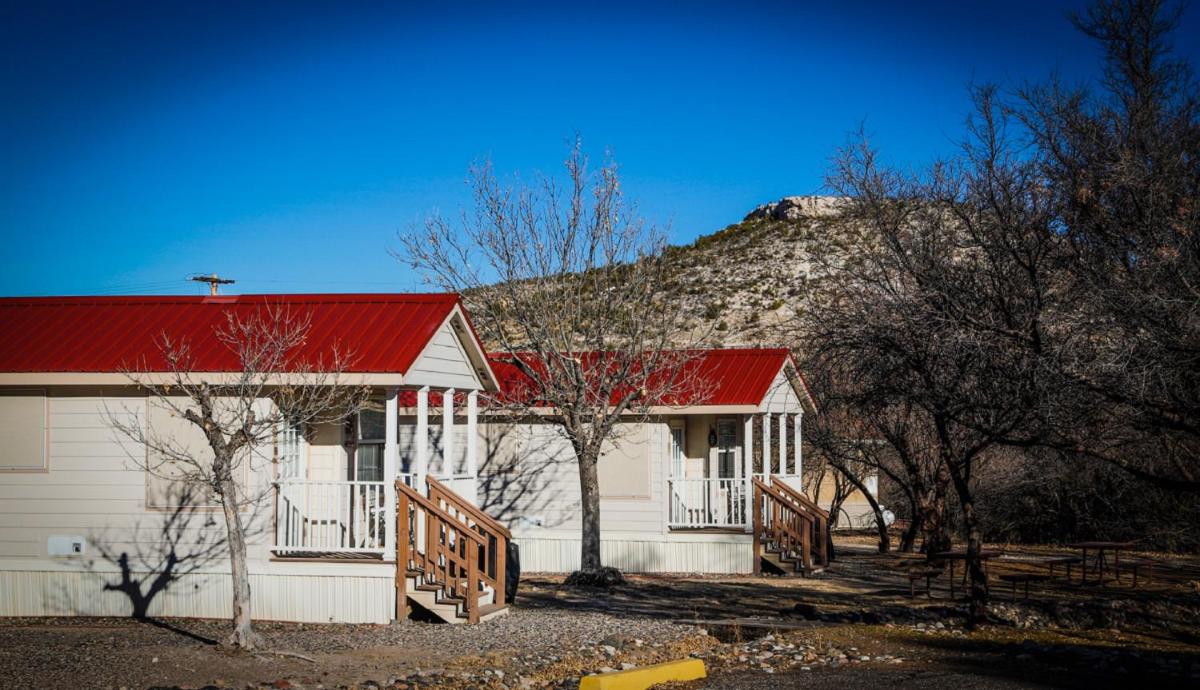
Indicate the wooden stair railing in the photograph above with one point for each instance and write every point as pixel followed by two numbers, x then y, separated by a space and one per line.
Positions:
pixel 449 559
pixel 781 525
pixel 493 561
pixel 819 516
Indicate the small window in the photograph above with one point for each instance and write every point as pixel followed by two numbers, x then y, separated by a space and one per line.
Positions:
pixel 368 452
pixel 726 449
pixel 624 466
pixel 677 450
pixel 292 451
pixel 23 431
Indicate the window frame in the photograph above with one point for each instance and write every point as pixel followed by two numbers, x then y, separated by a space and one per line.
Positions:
pixel 45 396
pixel 680 447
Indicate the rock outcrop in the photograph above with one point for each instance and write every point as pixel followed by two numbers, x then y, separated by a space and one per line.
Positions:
pixel 794 208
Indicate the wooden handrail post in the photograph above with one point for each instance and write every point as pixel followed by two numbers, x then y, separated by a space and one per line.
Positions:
pixel 806 543
pixel 758 526
pixel 472 594
pixel 402 555
pixel 501 570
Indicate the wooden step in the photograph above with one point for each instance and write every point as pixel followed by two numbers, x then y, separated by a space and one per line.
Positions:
pixel 458 600
pixel 487 612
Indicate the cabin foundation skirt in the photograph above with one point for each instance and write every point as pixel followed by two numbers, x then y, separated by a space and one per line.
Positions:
pixel 677 552
pixel 356 594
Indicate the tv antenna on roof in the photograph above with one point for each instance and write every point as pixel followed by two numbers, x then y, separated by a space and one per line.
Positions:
pixel 213 282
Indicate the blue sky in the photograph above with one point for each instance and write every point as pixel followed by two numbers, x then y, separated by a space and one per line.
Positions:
pixel 285 145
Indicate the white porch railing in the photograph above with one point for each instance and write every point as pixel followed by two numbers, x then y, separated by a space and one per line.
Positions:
pixel 706 502
pixel 327 516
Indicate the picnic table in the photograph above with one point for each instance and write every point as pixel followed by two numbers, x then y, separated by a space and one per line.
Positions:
pixel 1102 548
pixel 1051 562
pixel 954 555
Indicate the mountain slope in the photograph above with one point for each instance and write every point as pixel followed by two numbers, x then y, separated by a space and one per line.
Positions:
pixel 742 282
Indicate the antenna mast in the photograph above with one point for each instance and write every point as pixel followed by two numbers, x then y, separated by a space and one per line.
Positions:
pixel 213 282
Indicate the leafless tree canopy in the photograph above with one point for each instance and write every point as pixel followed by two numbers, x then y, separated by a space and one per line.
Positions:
pixel 233 416
pixel 1037 291
pixel 566 277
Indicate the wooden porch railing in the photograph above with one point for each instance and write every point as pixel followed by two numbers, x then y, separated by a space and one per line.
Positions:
pixel 494 560
pixel 820 518
pixel 445 550
pixel 453 544
pixel 779 522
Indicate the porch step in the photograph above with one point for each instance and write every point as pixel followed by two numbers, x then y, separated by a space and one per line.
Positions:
pixel 428 597
pixel 775 563
pixel 487 612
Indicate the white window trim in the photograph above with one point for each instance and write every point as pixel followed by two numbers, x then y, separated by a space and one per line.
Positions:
pixel 45 466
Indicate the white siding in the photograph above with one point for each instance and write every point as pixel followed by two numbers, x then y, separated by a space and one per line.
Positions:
pixel 343 597
pixel 545 488
pixel 781 397
pixel 444 363
pixel 95 489
pixel 640 553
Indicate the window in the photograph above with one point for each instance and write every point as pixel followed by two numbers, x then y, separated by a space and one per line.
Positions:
pixel 677 449
pixel 23 431
pixel 368 454
pixel 726 449
pixel 624 467
pixel 293 449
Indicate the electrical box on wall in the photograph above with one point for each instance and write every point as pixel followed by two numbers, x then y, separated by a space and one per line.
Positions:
pixel 62 545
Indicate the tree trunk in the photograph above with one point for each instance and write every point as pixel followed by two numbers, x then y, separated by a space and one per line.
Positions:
pixel 589 492
pixel 835 511
pixel 931 509
pixel 242 636
pixel 977 612
pixel 908 538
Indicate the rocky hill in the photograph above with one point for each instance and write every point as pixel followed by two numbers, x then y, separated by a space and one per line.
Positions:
pixel 741 283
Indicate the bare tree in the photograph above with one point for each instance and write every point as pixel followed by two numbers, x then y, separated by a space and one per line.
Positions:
pixel 231 417
pixel 1122 162
pixel 566 279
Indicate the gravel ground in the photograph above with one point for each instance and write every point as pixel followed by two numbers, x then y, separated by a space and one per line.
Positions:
pixel 853 626
pixel 522 649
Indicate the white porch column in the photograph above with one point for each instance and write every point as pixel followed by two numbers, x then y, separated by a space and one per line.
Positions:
pixel 783 443
pixel 748 470
pixel 798 447
pixel 422 468
pixel 473 444
pixel 448 433
pixel 766 454
pixel 391 457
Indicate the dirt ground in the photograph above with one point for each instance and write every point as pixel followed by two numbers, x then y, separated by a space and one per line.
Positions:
pixel 853 626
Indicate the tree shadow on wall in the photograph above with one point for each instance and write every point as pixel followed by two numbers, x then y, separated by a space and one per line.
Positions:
pixel 523 472
pixel 150 559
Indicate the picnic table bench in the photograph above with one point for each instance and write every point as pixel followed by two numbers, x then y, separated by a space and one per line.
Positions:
pixel 1145 565
pixel 1023 578
pixel 926 574
pixel 1051 562
pixel 1101 549
pixel 954 555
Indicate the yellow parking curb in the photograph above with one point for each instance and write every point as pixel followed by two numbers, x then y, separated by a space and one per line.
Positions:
pixel 647 676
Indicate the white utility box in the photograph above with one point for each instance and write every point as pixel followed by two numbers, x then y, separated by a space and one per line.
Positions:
pixel 64 545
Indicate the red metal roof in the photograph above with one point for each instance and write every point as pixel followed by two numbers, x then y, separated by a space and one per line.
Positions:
pixel 383 333
pixel 735 376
